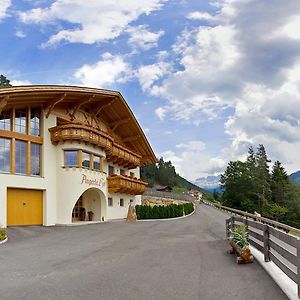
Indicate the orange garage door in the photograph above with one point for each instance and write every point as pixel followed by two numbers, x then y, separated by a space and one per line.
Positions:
pixel 24 207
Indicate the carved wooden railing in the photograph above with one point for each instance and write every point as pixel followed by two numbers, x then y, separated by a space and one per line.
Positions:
pixel 115 152
pixel 126 185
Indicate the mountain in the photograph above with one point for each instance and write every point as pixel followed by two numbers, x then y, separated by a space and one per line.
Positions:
pixel 209 183
pixel 164 173
pixel 295 177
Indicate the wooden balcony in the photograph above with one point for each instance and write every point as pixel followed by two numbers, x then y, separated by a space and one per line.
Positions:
pixel 126 185
pixel 115 152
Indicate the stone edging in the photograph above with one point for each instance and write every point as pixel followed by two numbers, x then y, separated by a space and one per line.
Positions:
pixel 168 219
pixel 4 241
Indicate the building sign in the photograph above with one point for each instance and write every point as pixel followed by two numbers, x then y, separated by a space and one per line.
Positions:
pixel 99 182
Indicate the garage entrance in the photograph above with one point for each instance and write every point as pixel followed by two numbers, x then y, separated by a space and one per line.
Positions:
pixel 24 207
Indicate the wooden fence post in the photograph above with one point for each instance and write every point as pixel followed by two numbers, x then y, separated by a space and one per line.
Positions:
pixel 266 243
pixel 232 222
pixel 298 266
pixel 227 228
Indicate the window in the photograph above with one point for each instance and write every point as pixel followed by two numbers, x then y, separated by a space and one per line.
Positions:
pixel 4 155
pixel 122 171
pixel 86 159
pixel 111 170
pixel 110 201
pixel 35 116
pixel 121 202
pixel 20 120
pixel 132 174
pixel 35 151
pixel 97 163
pixel 21 154
pixel 5 120
pixel 71 158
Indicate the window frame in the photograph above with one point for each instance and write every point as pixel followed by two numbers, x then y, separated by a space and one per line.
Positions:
pixel 65 158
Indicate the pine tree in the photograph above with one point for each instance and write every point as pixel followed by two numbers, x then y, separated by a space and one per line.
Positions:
pixel 263 179
pixel 4 82
pixel 279 183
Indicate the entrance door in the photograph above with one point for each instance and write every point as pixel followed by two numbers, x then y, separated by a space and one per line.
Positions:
pixel 24 207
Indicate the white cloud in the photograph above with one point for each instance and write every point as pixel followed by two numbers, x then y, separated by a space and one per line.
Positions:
pixel 92 21
pixel 192 161
pixel 160 112
pixel 20 82
pixel 199 15
pixel 20 34
pixel 149 74
pixel 141 37
pixel 5 4
pixel 246 61
pixel 104 73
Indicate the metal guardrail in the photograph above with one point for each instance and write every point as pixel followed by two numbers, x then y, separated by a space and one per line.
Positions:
pixel 159 194
pixel 270 238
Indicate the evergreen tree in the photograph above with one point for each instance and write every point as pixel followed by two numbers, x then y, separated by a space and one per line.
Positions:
pixel 4 82
pixel 262 178
pixel 279 183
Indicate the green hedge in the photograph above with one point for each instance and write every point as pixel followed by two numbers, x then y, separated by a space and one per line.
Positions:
pixel 163 212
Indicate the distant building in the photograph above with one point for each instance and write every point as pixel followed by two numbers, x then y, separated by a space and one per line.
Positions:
pixel 196 194
pixel 167 189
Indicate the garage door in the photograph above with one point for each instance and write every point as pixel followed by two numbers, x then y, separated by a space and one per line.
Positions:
pixel 24 207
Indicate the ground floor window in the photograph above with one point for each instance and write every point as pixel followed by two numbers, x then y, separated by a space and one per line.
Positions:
pixel 121 202
pixel 110 201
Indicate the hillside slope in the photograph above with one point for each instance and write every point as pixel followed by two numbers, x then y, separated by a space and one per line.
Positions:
pixel 164 173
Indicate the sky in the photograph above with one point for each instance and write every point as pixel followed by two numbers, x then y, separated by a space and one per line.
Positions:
pixel 205 79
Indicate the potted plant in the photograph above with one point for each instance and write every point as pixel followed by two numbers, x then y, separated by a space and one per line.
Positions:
pixel 90 215
pixel 82 214
pixel 2 234
pixel 239 244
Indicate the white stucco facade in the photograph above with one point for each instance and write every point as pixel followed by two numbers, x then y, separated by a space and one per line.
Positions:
pixel 62 185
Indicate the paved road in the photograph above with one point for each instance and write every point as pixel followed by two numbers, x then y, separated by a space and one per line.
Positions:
pixel 179 259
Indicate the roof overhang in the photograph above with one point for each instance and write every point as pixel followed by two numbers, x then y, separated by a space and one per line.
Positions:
pixel 108 105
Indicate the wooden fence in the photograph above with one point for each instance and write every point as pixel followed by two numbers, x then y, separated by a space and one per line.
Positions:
pixel 272 239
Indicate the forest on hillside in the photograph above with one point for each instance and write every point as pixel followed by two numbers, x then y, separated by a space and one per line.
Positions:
pixel 252 186
pixel 164 173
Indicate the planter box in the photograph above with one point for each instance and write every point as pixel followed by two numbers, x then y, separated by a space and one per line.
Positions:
pixel 243 256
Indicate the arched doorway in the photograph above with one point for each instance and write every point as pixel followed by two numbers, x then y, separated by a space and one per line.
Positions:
pixel 91 202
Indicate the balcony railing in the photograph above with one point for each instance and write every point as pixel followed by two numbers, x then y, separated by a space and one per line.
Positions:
pixel 126 185
pixel 115 152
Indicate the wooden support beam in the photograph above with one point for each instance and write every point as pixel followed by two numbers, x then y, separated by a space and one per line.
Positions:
pixel 131 138
pixel 3 103
pixel 100 108
pixel 114 125
pixel 76 108
pixel 52 105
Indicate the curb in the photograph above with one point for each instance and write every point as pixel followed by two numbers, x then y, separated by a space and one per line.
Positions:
pixel 287 285
pixel 83 223
pixel 168 219
pixel 4 241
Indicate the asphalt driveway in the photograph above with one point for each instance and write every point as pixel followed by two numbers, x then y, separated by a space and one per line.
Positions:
pixel 179 259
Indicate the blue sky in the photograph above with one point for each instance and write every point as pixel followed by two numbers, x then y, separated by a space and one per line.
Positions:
pixel 205 79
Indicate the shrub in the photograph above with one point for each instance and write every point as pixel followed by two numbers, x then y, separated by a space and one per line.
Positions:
pixel 162 212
